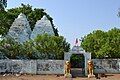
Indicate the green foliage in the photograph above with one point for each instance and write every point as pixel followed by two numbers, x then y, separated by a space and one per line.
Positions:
pixel 51 46
pixel 10 48
pixel 14 50
pixel 5 22
pixel 43 47
pixel 77 61
pixel 103 44
pixel 6 18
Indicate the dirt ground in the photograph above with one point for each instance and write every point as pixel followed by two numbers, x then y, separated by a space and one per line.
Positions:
pixel 54 77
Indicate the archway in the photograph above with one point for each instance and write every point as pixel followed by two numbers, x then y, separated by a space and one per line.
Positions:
pixel 78 50
pixel 77 65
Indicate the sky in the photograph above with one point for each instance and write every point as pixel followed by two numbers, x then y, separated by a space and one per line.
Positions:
pixel 77 18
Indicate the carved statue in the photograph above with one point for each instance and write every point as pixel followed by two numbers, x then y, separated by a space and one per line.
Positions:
pixel 90 68
pixel 67 69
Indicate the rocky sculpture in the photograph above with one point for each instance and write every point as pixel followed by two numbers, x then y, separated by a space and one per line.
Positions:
pixel 41 27
pixel 67 69
pixel 20 30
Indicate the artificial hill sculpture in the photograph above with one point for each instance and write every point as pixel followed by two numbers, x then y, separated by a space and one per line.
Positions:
pixel 41 27
pixel 20 30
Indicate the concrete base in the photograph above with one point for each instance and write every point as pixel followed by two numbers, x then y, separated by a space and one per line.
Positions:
pixel 68 76
pixel 91 76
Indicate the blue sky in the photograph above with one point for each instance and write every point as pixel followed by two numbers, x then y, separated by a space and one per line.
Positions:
pixel 77 18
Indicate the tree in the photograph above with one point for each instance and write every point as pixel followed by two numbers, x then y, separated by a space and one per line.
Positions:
pixel 93 42
pixel 103 44
pixel 114 42
pixel 77 61
pixel 5 22
pixel 43 47
pixel 10 48
pixel 29 50
pixel 51 47
pixel 7 18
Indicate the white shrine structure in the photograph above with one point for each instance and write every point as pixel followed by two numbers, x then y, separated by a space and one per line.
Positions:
pixel 21 32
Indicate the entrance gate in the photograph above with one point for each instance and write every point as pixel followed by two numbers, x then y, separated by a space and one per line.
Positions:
pixel 79 50
pixel 77 65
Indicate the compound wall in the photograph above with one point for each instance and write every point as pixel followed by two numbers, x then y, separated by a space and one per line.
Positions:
pixel 32 66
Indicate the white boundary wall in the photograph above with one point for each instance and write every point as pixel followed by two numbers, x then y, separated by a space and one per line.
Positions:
pixel 32 66
pixel 106 65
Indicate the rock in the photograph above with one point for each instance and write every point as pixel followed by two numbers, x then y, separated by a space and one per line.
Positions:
pixel 4 74
pixel 20 30
pixel 41 27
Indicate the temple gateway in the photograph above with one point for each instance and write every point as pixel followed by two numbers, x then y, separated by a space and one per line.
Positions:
pixel 77 49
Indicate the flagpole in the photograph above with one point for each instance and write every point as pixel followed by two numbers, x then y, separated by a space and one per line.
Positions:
pixel 118 15
pixel 76 42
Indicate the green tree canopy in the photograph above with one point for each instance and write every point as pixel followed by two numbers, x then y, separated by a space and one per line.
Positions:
pixel 43 47
pixel 51 46
pixel 103 44
pixel 5 22
pixel 10 48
